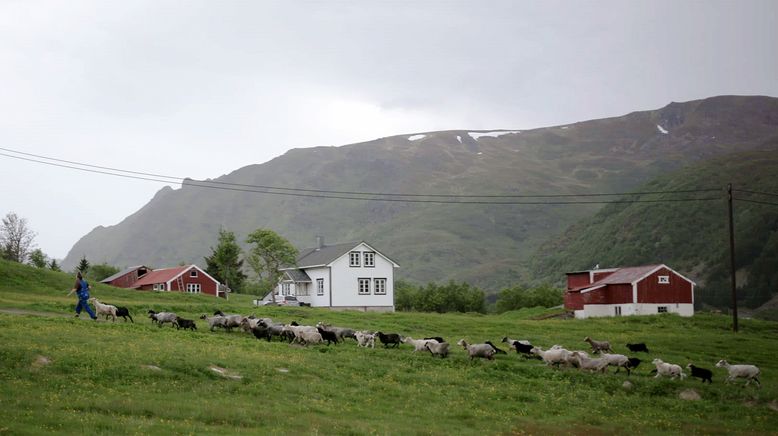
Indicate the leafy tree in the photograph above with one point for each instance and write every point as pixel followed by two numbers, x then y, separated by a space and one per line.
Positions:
pixel 269 253
pixel 405 295
pixel 54 266
pixel 224 263
pixel 102 270
pixel 521 296
pixel 451 297
pixel 38 258
pixel 83 265
pixel 16 239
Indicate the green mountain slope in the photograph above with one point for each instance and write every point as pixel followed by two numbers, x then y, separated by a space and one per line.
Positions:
pixel 691 237
pixel 487 245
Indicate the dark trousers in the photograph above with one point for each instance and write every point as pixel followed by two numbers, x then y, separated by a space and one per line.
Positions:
pixel 84 304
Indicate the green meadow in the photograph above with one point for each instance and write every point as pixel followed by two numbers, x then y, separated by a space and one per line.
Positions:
pixel 67 375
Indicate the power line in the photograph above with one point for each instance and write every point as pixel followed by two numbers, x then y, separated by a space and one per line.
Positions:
pixel 324 191
pixel 756 201
pixel 771 194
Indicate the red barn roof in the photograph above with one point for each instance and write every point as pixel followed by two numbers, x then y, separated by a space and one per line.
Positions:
pixel 161 276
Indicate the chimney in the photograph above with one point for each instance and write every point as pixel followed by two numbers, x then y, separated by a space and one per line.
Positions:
pixel 319 242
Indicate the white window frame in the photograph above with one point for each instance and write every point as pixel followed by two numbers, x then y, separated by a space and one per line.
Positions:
pixel 382 287
pixel 286 289
pixel 193 288
pixel 664 280
pixel 353 259
pixel 617 310
pixel 363 286
pixel 368 255
pixel 659 309
pixel 193 273
pixel 319 286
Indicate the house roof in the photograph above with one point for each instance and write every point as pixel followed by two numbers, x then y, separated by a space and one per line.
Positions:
pixel 298 276
pixel 626 276
pixel 121 273
pixel 161 276
pixel 322 256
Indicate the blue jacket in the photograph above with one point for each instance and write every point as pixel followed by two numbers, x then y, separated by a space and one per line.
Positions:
pixel 83 290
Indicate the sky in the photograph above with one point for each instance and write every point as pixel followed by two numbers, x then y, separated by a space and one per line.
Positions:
pixel 200 89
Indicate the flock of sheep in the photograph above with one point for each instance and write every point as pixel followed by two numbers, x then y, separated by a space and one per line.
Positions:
pixel 556 356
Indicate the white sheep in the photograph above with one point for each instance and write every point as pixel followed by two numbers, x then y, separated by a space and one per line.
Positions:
pixel 617 360
pixel 667 369
pixel 104 309
pixel 438 348
pixel 215 321
pixel 162 317
pixel 365 339
pixel 418 344
pixel 554 356
pixel 477 350
pixel 748 372
pixel 588 364
pixel 309 337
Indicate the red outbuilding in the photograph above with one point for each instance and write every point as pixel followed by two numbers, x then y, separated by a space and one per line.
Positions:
pixel 189 278
pixel 640 290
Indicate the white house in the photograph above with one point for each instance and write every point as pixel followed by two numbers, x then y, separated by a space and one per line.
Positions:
pixel 352 275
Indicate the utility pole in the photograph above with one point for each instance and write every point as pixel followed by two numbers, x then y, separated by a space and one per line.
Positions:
pixel 732 258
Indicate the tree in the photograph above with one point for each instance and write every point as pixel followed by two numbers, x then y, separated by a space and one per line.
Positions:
pixel 102 270
pixel 269 253
pixel 521 296
pixel 83 265
pixel 224 263
pixel 38 258
pixel 16 239
pixel 54 266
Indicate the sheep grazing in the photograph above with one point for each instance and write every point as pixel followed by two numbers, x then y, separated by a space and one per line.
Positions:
pixel 617 360
pixel 485 351
pixel 636 348
pixel 182 323
pixel 328 336
pixel 589 364
pixel 667 369
pixel 124 313
pixel 598 346
pixel 438 348
pixel 496 350
pixel 701 373
pixel 365 339
pixel 418 344
pixel 104 309
pixel 389 338
pixel 162 317
pixel 748 372
pixel 556 356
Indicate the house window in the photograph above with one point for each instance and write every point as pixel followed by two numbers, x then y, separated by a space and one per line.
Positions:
pixel 369 259
pixel 193 288
pixel 353 258
pixel 661 309
pixel 663 280
pixel 285 289
pixel 301 289
pixel 617 310
pixel 380 287
pixel 364 286
pixel 159 287
pixel 319 286
pixel 193 273
pixel 155 287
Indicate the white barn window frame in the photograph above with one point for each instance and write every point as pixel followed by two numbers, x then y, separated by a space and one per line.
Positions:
pixel 193 273
pixel 193 288
pixel 363 286
pixel 664 280
pixel 661 309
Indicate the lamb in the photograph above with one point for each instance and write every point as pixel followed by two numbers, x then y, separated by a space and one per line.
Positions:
pixel 328 336
pixel 552 357
pixel 617 360
pixel 748 372
pixel 162 317
pixel 635 348
pixel 437 348
pixel 389 338
pixel 598 346
pixel 667 369
pixel 365 339
pixel 477 350
pixel 124 313
pixel 588 364
pixel 182 323
pixel 524 349
pixel 701 373
pixel 418 344
pixel 104 309
pixel 215 321
pixel 496 350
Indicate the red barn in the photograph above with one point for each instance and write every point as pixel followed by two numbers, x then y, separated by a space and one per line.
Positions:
pixel 126 278
pixel 187 278
pixel 640 290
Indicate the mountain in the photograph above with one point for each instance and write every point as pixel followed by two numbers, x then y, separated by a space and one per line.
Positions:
pixel 691 237
pixel 488 245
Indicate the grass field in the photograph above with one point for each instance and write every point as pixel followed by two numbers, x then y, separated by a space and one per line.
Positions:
pixel 97 380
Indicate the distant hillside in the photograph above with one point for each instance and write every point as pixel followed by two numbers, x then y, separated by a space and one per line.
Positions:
pixel 690 237
pixel 487 245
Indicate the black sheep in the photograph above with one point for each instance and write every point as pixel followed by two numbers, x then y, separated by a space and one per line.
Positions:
pixel 701 373
pixel 124 313
pixel 261 332
pixel 182 323
pixel 437 338
pixel 524 349
pixel 328 336
pixel 389 338
pixel 638 347
pixel 633 362
pixel 496 350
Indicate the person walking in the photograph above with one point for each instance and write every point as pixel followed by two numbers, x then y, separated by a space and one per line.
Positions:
pixel 81 288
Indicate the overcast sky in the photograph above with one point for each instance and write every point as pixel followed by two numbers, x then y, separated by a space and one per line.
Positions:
pixel 200 89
